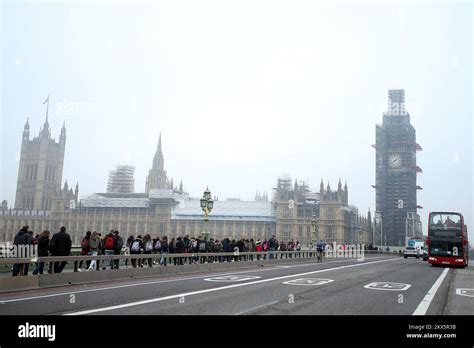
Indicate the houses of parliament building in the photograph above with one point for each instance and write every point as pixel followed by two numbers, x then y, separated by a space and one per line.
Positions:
pixel 293 211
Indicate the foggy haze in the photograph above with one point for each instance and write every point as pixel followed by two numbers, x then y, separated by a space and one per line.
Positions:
pixel 241 93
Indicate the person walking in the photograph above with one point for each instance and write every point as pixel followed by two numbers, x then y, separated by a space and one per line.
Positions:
pixel 241 248
pixel 194 249
pixel 136 248
pixel 109 247
pixel 164 250
pixel 272 242
pixel 218 248
pixel 118 244
pixel 226 248
pixel 21 238
pixel 148 249
pixel 298 248
pixel 202 246
pixel 187 248
pixel 94 248
pixel 180 249
pixel 157 250
pixel 172 249
pixel 258 248
pixel 43 245
pixel 60 245
pixel 282 248
pixel 85 249
pixel 252 248
pixel 265 248
pixel 130 240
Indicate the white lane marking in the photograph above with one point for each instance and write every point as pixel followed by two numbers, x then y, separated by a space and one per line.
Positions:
pixel 256 308
pixel 157 299
pixel 150 283
pixel 425 303
pixel 308 281
pixel 387 286
pixel 231 278
pixel 465 292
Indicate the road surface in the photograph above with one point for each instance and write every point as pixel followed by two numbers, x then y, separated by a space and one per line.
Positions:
pixel 377 285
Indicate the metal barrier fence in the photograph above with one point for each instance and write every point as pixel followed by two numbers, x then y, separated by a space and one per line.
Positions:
pixel 162 260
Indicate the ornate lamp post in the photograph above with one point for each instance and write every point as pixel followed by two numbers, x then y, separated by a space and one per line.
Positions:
pixel 314 223
pixel 207 203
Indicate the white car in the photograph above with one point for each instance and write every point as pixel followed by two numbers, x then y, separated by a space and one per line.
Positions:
pixel 411 251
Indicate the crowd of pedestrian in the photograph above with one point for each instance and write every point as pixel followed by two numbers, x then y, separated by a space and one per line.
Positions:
pixel 58 245
pixel 155 251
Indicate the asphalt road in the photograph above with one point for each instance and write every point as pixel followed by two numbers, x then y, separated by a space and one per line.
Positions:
pixel 337 286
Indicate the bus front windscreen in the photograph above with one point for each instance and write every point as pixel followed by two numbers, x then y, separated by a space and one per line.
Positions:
pixel 446 248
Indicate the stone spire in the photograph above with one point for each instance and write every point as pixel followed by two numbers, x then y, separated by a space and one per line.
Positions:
pixel 62 137
pixel 46 132
pixel 26 130
pixel 157 178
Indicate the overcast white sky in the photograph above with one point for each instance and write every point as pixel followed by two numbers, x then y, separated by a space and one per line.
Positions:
pixel 242 92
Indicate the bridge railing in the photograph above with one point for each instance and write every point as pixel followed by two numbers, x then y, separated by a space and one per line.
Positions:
pixel 173 259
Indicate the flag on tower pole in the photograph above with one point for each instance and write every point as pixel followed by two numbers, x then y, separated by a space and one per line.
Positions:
pixel 47 106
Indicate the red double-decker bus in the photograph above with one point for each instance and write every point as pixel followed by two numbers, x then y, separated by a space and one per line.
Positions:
pixel 447 239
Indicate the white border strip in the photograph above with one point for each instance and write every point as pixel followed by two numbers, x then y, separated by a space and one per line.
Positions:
pixel 425 303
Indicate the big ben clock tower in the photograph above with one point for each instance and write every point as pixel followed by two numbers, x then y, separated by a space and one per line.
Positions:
pixel 396 173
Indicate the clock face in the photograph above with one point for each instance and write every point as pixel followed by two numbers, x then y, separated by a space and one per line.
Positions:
pixel 395 161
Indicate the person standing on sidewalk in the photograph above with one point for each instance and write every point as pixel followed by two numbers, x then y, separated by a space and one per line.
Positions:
pixel 95 246
pixel 272 244
pixel 60 245
pixel 43 244
pixel 164 250
pixel 21 238
pixel 130 240
pixel 109 249
pixel 136 248
pixel 148 249
pixel 118 244
pixel 85 249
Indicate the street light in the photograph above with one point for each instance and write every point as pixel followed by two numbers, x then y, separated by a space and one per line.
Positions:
pixel 314 223
pixel 207 203
pixel 379 222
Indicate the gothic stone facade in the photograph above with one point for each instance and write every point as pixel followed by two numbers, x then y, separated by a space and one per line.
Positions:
pixel 164 209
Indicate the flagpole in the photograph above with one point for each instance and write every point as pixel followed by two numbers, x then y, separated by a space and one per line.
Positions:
pixel 47 106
